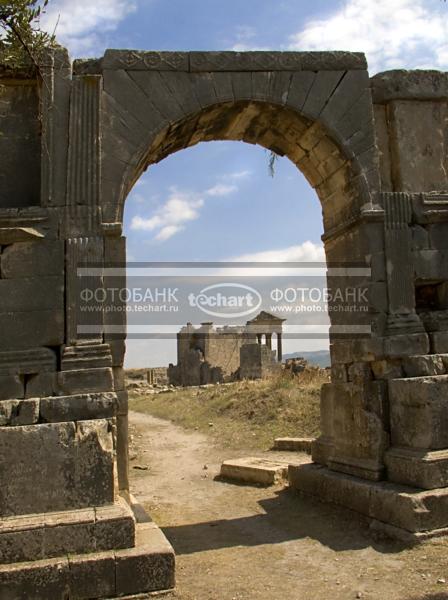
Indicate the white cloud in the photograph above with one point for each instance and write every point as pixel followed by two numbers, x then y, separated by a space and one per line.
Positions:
pixel 166 232
pixel 239 174
pixel 392 33
pixel 80 24
pixel 169 219
pixel 306 252
pixel 221 189
pixel 180 208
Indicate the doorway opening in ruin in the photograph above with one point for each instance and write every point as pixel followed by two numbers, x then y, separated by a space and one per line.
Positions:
pixel 216 203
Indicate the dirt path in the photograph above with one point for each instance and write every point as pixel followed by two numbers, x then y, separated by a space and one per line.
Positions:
pixel 246 543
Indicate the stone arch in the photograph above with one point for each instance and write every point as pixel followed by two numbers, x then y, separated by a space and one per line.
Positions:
pixel 319 114
pixel 322 119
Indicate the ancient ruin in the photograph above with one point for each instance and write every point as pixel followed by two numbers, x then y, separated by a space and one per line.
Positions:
pixel 208 354
pixel 74 140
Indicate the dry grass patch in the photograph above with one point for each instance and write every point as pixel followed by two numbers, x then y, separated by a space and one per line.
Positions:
pixel 247 414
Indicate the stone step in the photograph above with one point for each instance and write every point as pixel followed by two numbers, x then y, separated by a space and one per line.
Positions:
pixel 40 536
pixel 413 513
pixel 255 470
pixel 420 468
pixel 147 567
pixel 290 444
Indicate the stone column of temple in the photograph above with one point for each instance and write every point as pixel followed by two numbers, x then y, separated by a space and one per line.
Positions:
pixel 279 347
pixel 269 340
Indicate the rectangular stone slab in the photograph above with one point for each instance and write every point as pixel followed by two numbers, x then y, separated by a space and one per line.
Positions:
pixel 36 537
pixel 419 412
pixel 56 466
pixel 254 470
pixel 427 470
pixel 291 444
pixel 408 508
pixel 147 567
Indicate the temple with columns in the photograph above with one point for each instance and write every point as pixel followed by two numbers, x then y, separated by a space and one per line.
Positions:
pixel 209 354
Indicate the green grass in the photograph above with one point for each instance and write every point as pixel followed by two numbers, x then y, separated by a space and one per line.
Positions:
pixel 247 414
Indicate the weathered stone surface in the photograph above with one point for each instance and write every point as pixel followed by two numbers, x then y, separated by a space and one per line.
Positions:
pixel 275 61
pixel 86 355
pixel 92 575
pixel 386 369
pixel 123 451
pixel 86 380
pixel 427 470
pixel 291 444
pixel 420 153
pixel 358 427
pixel 404 507
pixel 136 60
pixel 430 264
pixel 33 259
pixel 409 85
pixel 11 386
pixel 418 366
pixel 117 349
pixel 439 341
pixel 254 470
pixel 39 580
pixel 31 294
pixel 322 88
pixel 114 526
pixel 50 535
pixel 419 412
pixel 397 346
pixel 19 145
pixel 78 407
pixel 382 138
pixel 21 330
pixel 147 567
pixel 19 412
pixel 41 384
pixel 75 461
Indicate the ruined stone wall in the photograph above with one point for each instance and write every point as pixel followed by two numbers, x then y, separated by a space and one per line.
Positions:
pixel 374 151
pixel 223 351
pixel 257 361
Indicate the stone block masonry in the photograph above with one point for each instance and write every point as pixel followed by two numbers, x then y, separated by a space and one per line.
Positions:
pixel 74 142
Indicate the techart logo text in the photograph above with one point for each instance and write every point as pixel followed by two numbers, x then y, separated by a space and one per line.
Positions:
pixel 226 300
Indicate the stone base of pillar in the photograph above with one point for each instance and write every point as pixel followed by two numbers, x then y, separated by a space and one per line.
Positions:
pixel 400 511
pixel 148 566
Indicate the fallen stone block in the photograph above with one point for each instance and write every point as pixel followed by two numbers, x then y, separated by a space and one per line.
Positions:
pixel 290 444
pixel 255 470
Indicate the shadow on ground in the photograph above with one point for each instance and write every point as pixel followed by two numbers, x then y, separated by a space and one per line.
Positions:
pixel 287 516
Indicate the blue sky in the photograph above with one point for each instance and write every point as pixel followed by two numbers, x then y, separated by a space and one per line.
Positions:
pixel 216 201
